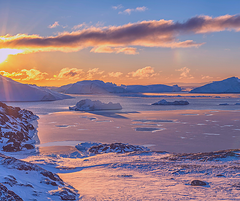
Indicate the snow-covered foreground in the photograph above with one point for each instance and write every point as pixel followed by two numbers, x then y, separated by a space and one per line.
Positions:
pixel 148 175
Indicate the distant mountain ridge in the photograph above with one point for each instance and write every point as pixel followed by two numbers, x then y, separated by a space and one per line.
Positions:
pixel 229 85
pixel 100 87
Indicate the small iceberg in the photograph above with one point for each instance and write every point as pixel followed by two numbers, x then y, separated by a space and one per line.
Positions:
pixel 164 102
pixel 89 105
pixel 223 104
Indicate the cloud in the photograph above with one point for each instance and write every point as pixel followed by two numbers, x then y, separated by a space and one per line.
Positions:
pixel 115 74
pixel 206 77
pixel 92 72
pixel 25 75
pixel 129 10
pixel 117 7
pixel 162 33
pixel 70 73
pixel 54 25
pixel 83 25
pixel 107 49
pixel 141 73
pixel 185 73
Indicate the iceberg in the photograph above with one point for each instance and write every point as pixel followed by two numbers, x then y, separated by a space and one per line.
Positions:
pixel 11 90
pixel 164 102
pixel 89 105
pixel 229 85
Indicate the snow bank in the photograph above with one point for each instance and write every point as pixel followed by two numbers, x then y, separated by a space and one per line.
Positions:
pixel 229 85
pixel 164 102
pixel 16 131
pixel 89 105
pixel 11 90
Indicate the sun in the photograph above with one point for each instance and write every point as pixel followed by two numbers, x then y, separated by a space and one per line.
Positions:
pixel 7 51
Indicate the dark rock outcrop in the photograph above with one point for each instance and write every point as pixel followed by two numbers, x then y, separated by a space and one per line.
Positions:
pixel 8 195
pixel 115 147
pixel 205 156
pixel 198 183
pixel 16 131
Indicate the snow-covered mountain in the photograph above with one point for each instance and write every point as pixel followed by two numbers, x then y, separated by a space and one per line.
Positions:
pixel 156 88
pixel 100 87
pixel 229 85
pixel 11 90
pixel 16 130
pixel 90 87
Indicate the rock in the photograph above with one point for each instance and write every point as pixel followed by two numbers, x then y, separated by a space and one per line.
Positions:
pixel 115 147
pixel 66 194
pixel 198 183
pixel 205 156
pixel 16 131
pixel 220 175
pixel 7 195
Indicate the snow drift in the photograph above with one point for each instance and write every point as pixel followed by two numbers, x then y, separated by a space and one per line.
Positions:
pixel 11 90
pixel 229 85
pixel 89 105
pixel 164 102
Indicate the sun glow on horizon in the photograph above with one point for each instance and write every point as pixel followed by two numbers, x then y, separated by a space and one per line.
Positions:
pixel 7 51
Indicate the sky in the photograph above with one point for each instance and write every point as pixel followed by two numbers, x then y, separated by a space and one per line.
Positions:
pixel 185 42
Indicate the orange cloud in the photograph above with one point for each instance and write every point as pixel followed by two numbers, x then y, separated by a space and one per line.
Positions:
pixel 115 74
pixel 162 33
pixel 92 72
pixel 185 73
pixel 141 73
pixel 25 75
pixel 107 49
pixel 69 73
